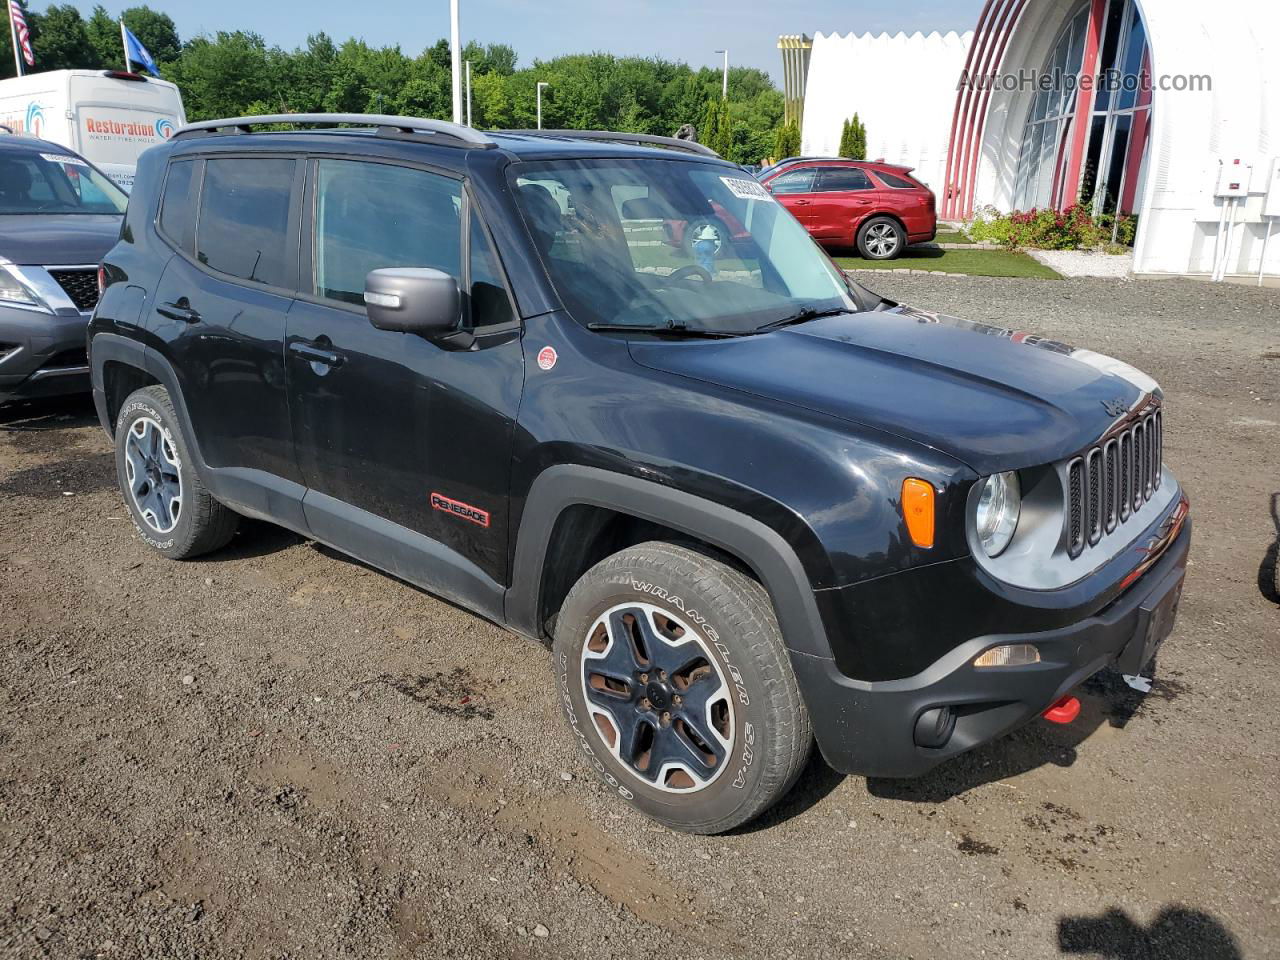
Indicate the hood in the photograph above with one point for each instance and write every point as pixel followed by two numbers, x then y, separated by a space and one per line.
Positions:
pixel 991 398
pixel 35 239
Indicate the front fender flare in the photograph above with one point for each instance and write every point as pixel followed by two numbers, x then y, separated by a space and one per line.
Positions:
pixel 760 547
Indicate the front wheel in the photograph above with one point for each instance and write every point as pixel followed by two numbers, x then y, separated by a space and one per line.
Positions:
pixel 677 686
pixel 881 238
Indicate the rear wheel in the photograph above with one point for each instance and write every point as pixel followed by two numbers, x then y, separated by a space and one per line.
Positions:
pixel 881 238
pixel 171 509
pixel 677 686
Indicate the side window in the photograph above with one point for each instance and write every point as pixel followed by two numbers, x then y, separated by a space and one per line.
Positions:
pixel 373 215
pixel 797 181
pixel 892 180
pixel 844 178
pixel 176 205
pixel 489 301
pixel 243 228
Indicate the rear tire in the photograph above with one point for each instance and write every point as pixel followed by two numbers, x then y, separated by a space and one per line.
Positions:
pixel 173 512
pixel 881 238
pixel 677 686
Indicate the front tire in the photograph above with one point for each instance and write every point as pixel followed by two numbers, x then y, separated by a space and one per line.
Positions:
pixel 677 686
pixel 173 512
pixel 881 238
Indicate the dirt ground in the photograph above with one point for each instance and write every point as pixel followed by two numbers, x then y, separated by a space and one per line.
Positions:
pixel 275 752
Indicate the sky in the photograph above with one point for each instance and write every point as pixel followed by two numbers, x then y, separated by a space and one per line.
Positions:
pixel 688 30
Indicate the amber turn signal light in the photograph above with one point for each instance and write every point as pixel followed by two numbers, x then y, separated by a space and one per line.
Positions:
pixel 917 511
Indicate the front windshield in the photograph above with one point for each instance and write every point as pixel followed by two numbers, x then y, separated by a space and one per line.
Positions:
pixel 52 182
pixel 673 244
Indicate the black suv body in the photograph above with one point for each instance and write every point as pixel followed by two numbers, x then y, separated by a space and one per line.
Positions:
pixel 58 216
pixel 590 476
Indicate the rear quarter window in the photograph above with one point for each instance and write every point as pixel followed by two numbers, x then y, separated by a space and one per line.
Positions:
pixel 895 181
pixel 177 205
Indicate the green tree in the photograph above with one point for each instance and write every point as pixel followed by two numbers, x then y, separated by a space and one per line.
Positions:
pixel 787 142
pixel 155 30
pixel 236 72
pixel 221 76
pixel 60 40
pixel 858 140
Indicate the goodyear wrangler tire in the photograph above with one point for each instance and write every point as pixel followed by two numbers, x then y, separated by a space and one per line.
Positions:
pixel 173 512
pixel 678 689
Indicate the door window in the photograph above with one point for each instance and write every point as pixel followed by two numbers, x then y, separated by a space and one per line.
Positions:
pixel 797 181
pixel 374 215
pixel 836 179
pixel 243 229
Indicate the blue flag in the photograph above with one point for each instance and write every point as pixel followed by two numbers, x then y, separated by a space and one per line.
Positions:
pixel 136 52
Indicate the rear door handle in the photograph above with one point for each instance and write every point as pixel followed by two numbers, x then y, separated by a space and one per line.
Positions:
pixel 800 203
pixel 180 309
pixel 315 353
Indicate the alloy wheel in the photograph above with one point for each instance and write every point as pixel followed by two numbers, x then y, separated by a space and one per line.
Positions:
pixel 154 474
pixel 882 241
pixel 657 697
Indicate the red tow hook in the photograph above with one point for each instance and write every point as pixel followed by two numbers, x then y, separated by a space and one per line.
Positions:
pixel 1064 710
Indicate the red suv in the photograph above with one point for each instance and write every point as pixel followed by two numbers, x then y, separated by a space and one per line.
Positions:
pixel 877 207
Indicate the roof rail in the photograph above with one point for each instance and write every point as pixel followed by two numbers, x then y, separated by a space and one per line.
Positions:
pixel 441 128
pixel 614 136
pixel 5 128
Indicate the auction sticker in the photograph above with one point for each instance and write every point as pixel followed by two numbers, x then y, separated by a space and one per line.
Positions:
pixel 63 158
pixel 747 189
pixel 547 357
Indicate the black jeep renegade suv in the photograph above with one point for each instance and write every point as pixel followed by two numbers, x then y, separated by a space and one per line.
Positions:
pixel 750 503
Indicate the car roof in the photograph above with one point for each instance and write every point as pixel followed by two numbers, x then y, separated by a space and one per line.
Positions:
pixel 444 149
pixel 18 143
pixel 842 162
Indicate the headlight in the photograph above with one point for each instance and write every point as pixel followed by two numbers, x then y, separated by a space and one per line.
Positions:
pixel 997 515
pixel 13 290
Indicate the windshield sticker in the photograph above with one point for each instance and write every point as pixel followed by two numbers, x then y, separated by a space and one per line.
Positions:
pixel 746 189
pixel 62 158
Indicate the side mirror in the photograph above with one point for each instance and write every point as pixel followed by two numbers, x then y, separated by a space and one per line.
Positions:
pixel 413 300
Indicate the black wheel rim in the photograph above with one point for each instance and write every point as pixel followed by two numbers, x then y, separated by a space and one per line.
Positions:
pixel 153 474
pixel 658 697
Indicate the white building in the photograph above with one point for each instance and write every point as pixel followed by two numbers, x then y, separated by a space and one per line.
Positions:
pixel 893 84
pixel 1191 87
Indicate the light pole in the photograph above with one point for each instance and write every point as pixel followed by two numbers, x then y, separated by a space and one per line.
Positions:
pixel 724 84
pixel 455 60
pixel 540 86
pixel 468 93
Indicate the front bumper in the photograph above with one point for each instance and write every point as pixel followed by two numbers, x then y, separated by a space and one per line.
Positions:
pixel 42 354
pixel 868 728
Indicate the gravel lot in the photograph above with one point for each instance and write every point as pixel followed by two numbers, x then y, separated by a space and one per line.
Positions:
pixel 277 753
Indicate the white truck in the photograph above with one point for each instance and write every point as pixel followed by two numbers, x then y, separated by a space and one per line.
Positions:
pixel 106 116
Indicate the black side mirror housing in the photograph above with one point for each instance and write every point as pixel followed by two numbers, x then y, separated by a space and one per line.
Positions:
pixel 418 300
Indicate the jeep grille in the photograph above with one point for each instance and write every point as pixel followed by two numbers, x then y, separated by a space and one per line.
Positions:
pixel 1111 482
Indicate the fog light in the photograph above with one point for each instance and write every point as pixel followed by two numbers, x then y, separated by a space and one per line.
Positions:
pixel 934 727
pixel 1009 655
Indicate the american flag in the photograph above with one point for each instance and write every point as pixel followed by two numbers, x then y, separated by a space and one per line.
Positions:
pixel 23 34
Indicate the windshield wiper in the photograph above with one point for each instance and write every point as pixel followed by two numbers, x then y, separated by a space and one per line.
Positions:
pixel 671 329
pixel 803 316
